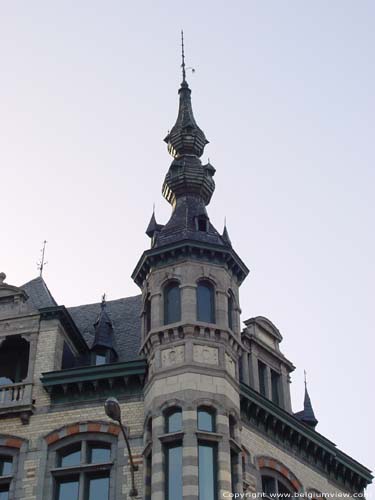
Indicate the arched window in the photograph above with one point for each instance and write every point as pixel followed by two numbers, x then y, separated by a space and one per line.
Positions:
pixel 205 302
pixel 14 360
pixel 207 455
pixel 230 310
pixel 173 420
pixel 206 419
pixel 172 303
pixel 82 468
pixel 275 483
pixel 173 455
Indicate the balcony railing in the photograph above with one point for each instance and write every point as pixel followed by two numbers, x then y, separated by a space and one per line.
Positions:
pixel 16 398
pixel 14 394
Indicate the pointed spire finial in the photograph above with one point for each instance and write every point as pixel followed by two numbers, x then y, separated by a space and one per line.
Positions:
pixel 103 299
pixel 305 378
pixel 183 57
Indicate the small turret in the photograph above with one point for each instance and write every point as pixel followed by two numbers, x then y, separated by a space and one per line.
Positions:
pixel 103 348
pixel 307 415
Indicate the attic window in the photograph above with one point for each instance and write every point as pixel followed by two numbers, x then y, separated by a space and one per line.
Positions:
pixel 201 223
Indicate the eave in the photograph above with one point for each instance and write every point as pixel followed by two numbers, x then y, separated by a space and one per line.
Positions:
pixel 309 445
pixel 95 379
pixel 189 249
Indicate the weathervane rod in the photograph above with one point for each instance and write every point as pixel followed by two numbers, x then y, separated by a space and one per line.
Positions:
pixel 183 57
pixel 42 262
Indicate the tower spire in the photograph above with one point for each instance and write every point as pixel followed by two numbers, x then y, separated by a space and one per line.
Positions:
pixel 307 415
pixel 183 57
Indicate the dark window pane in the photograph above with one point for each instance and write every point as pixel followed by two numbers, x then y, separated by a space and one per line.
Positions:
pixel 174 421
pixel 148 314
pixel 230 311
pixel 275 377
pixel 262 371
pixel 174 472
pixel 281 488
pixel 6 466
pixel 70 458
pixel 206 420
pixel 99 453
pixel 68 489
pixel 233 469
pixel 207 471
pixel 100 359
pixel 172 304
pixel 205 303
pixel 98 488
pixel 268 485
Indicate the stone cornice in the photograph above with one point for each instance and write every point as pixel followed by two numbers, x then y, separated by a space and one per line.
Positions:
pixel 306 443
pixel 189 249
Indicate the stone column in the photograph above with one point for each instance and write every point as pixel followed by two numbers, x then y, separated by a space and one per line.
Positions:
pixel 253 371
pixel 157 312
pixel 221 309
pixel 157 467
pixel 245 368
pixel 188 303
pixel 285 390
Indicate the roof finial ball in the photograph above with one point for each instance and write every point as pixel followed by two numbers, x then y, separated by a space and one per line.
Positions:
pixel 2 277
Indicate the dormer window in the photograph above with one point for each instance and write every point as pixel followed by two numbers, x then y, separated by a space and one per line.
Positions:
pixel 262 373
pixel 201 223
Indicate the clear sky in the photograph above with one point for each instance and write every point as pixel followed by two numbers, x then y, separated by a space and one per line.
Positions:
pixel 284 91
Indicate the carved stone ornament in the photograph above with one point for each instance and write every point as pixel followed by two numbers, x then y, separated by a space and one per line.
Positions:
pixel 172 356
pixel 230 365
pixel 206 354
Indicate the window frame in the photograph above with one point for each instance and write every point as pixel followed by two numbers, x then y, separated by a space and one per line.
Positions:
pixel 10 479
pixel 171 439
pixel 278 478
pixel 166 289
pixel 205 283
pixel 84 469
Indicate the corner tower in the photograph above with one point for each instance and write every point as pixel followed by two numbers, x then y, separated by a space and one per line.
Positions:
pixel 191 335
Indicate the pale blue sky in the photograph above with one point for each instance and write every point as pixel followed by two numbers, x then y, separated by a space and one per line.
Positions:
pixel 283 91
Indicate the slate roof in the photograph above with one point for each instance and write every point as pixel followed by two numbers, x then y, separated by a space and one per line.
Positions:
pixel 124 314
pixel 38 293
pixel 181 225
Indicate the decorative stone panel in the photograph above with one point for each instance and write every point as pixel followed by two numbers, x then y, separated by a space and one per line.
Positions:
pixel 173 356
pixel 206 354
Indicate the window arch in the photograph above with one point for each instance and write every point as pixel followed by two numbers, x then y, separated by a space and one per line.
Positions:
pixel 206 418
pixel 172 303
pixel 205 302
pixel 82 466
pixel 276 478
pixel 173 420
